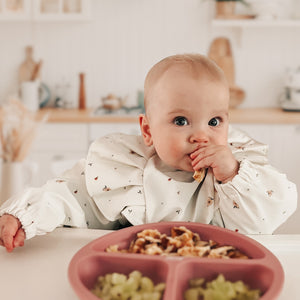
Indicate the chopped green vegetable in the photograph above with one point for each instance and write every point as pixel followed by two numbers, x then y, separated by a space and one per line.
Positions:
pixel 116 286
pixel 219 289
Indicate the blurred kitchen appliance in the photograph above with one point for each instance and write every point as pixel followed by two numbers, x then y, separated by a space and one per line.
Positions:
pixel 268 9
pixel 220 52
pixel 290 99
pixel 112 102
pixel 63 96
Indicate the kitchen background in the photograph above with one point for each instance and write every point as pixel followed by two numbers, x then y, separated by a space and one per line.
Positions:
pixel 115 42
pixel 122 39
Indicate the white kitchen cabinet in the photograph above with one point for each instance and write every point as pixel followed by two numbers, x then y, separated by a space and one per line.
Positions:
pixel 45 10
pixel 61 10
pixel 98 130
pixel 15 10
pixel 284 147
pixel 57 147
pixel 283 141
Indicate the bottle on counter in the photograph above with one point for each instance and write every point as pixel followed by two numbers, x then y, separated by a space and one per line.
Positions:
pixel 81 100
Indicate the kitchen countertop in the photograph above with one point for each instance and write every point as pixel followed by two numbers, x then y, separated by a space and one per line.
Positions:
pixel 39 269
pixel 237 115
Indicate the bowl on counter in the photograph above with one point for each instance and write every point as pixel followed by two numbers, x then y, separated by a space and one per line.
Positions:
pixel 261 271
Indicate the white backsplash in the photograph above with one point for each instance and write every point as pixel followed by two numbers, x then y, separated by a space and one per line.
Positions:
pixel 125 38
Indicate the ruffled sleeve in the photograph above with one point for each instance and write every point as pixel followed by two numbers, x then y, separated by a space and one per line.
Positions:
pixel 259 198
pixel 61 201
pixel 41 210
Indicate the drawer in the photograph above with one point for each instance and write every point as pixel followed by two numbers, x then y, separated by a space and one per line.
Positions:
pixel 52 164
pixel 62 137
pixel 98 130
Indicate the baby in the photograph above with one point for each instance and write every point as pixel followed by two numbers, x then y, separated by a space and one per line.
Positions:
pixel 129 180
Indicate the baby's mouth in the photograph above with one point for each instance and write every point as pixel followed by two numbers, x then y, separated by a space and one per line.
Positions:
pixel 200 146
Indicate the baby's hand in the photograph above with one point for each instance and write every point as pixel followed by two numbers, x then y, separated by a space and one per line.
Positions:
pixel 219 158
pixel 11 233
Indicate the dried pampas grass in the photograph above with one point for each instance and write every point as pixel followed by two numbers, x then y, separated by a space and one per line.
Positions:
pixel 18 128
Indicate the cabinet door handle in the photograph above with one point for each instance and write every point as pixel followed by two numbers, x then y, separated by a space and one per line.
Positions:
pixel 297 129
pixel 58 157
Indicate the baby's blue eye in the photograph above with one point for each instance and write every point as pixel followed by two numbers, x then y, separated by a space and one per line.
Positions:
pixel 180 121
pixel 214 122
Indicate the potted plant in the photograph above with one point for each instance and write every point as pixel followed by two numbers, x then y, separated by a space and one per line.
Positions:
pixel 226 8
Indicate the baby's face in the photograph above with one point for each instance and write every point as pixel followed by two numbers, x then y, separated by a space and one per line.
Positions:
pixel 184 114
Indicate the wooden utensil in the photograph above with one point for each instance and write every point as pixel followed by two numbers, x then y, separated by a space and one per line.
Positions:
pixel 36 70
pixel 27 67
pixel 220 52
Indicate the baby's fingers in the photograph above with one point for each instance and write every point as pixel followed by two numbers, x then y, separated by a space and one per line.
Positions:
pixel 7 238
pixel 19 238
pixel 203 161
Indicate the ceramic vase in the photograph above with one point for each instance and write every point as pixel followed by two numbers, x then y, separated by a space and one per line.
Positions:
pixel 15 176
pixel 225 9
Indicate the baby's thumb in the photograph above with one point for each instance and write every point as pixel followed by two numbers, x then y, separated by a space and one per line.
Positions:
pixel 19 238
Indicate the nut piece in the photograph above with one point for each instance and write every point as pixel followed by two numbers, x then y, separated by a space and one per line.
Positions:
pixel 182 242
pixel 199 175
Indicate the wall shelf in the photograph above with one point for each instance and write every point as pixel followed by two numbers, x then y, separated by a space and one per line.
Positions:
pixel 254 23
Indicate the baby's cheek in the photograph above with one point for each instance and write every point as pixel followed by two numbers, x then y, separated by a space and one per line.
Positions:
pixel 171 156
pixel 223 139
pixel 176 151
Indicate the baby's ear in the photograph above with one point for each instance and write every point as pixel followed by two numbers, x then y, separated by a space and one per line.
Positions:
pixel 145 129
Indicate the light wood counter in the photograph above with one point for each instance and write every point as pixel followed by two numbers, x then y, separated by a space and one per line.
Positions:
pixel 58 115
pixel 238 115
pixel 263 116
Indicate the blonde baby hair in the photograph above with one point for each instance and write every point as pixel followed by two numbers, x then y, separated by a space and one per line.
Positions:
pixel 196 64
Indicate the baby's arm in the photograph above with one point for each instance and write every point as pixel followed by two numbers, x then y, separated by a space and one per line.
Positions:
pixel 11 233
pixel 259 198
pixel 41 210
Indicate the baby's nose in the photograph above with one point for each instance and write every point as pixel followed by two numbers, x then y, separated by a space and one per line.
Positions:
pixel 199 136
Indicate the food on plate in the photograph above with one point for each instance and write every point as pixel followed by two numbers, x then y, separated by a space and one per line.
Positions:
pixel 199 174
pixel 182 242
pixel 135 286
pixel 220 289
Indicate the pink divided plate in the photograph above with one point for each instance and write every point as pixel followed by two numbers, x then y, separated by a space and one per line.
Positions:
pixel 262 271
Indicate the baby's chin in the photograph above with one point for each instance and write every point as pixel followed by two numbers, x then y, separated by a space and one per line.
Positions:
pixel 186 166
pixel 186 169
pixel 183 165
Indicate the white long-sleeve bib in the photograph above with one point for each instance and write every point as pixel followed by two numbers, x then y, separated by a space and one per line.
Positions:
pixel 122 179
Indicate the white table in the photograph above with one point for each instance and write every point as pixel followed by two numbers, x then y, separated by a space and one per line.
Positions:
pixel 38 271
